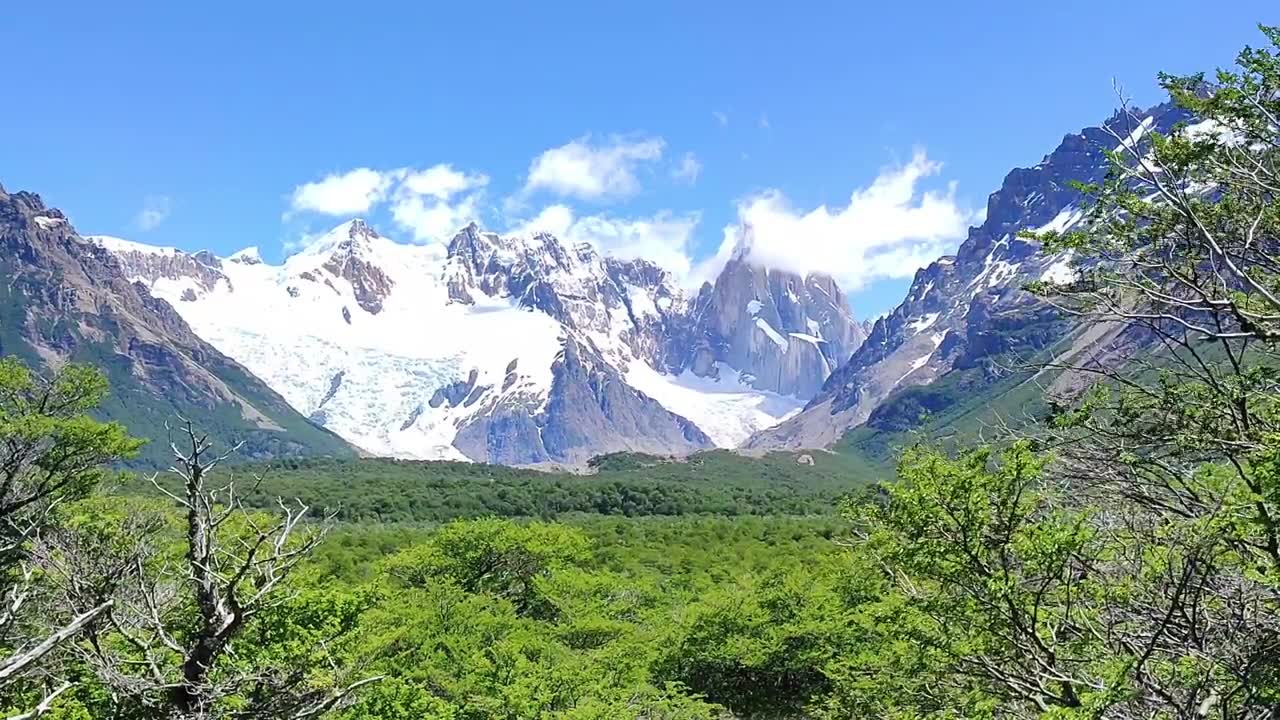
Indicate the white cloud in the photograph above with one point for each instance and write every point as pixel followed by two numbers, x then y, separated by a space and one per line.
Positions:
pixel 688 169
pixel 889 229
pixel 764 122
pixel 722 118
pixel 441 181
pixel 430 203
pixel 663 239
pixel 434 203
pixel 431 219
pixel 155 210
pixel 593 171
pixel 348 193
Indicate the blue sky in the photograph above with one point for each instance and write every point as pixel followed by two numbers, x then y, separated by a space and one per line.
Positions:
pixel 644 127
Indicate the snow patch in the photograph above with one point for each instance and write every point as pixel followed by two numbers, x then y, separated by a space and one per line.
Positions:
pixel 1069 215
pixel 641 303
pixel 248 255
pixel 1001 271
pixel 753 307
pixel 1131 141
pixel 812 340
pixel 1213 130
pixel 923 323
pixel 727 410
pixel 120 245
pixel 1060 271
pixel 774 335
pixel 936 340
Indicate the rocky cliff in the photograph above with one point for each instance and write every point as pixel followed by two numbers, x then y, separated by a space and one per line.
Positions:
pixel 67 299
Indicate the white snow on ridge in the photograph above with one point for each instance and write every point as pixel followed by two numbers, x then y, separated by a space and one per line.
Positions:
pixel 641 303
pixel 728 410
pixel 1212 129
pixel 774 335
pixel 1060 270
pixel 293 333
pixel 812 340
pixel 919 362
pixel 1001 270
pixel 924 323
pixel 120 245
pixel 1068 216
pixel 753 307
pixel 250 254
pixel 1135 136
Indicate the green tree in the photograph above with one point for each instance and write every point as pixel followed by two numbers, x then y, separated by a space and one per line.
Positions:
pixel 1182 256
pixel 497 557
pixel 1125 561
pixel 51 453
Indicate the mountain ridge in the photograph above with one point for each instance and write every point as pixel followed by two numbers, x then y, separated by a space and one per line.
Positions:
pixel 520 323
pixel 966 309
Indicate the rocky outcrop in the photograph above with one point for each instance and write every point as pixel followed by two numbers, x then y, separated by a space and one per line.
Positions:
pixel 369 283
pixel 589 411
pixel 201 271
pixel 786 332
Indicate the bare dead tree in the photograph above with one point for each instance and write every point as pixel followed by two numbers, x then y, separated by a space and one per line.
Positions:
pixel 169 644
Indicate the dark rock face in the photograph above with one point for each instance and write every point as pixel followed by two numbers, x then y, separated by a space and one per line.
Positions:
pixel 590 411
pixel 368 281
pixel 68 299
pixel 787 332
pixel 455 393
pixel 970 306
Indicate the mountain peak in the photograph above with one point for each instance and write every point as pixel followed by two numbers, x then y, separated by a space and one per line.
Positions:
pixel 358 228
pixel 348 238
pixel 745 243
pixel 248 256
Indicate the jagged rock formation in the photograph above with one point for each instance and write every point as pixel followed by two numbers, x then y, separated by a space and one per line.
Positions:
pixel 197 272
pixel 349 261
pixel 790 332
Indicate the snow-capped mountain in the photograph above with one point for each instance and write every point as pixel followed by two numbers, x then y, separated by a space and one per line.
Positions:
pixel 964 309
pixel 517 350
